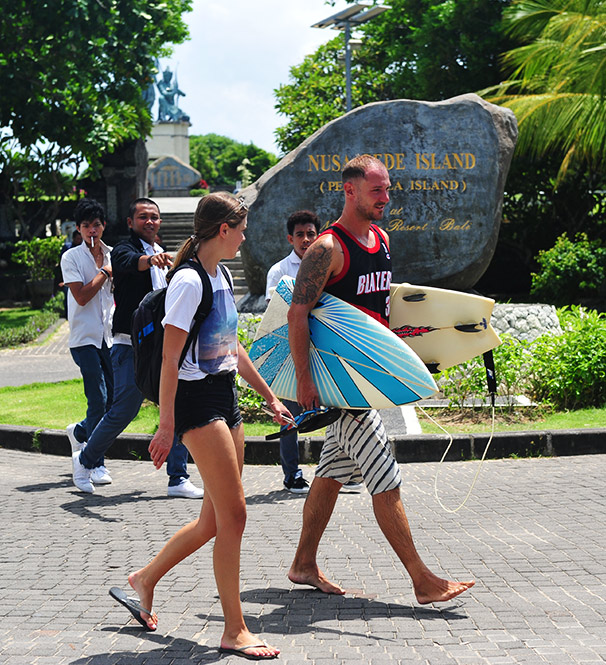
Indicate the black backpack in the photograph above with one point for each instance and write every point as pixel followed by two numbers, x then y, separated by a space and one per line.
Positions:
pixel 147 332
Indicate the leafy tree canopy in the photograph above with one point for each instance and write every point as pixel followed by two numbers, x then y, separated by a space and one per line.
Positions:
pixel 218 158
pixel 72 71
pixel 557 84
pixel 419 49
pixel 71 76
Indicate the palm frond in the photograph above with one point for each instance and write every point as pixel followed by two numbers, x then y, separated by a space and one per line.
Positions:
pixel 557 83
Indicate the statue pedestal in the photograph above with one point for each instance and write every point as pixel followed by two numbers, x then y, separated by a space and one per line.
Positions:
pixel 169 138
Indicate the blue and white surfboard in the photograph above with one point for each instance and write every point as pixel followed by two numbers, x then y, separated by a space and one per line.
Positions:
pixel 355 361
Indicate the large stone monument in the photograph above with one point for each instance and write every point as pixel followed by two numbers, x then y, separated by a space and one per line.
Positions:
pixel 447 162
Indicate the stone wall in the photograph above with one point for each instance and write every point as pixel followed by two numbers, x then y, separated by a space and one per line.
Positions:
pixel 525 321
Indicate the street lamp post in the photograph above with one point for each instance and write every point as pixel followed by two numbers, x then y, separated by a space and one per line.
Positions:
pixel 354 15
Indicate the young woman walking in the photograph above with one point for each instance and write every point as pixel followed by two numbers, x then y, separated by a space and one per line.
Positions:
pixel 199 403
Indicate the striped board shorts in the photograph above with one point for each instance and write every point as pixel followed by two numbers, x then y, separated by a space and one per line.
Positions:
pixel 356 449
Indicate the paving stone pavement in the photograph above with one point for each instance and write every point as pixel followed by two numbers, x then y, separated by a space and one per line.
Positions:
pixel 532 535
pixel 46 362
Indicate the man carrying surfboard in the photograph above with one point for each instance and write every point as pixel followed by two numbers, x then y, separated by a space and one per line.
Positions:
pixel 351 260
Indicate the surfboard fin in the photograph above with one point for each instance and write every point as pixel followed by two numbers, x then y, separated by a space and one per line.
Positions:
pixel 414 297
pixel 470 327
pixel 309 421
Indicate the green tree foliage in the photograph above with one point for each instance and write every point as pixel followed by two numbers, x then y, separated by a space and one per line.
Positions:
pixel 436 49
pixel 71 75
pixel 556 88
pixel 537 209
pixel 419 49
pixel 557 80
pixel 315 94
pixel 571 271
pixel 219 157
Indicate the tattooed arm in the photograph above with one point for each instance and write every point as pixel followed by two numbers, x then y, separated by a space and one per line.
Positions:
pixel 323 259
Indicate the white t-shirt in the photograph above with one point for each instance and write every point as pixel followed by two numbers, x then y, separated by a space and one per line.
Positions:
pixel 216 349
pixel 90 323
pixel 288 266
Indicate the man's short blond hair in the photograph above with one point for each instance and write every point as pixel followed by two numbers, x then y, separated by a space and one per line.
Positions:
pixel 358 166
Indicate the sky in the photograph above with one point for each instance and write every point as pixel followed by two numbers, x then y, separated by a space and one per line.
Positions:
pixel 240 51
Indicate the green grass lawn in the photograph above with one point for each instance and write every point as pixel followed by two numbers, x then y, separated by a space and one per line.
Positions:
pixel 523 419
pixel 15 317
pixel 55 405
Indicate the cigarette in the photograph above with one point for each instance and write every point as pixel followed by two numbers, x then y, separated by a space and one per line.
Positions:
pixel 92 241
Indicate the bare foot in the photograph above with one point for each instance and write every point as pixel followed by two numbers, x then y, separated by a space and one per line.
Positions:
pixel 146 597
pixel 437 590
pixel 249 646
pixel 316 578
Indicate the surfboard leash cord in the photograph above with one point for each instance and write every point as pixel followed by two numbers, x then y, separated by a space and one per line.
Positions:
pixel 475 478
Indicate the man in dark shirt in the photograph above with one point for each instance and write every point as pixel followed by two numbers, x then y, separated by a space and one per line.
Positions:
pixel 139 266
pixel 356 445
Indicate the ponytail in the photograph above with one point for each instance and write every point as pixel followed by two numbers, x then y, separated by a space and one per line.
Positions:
pixel 185 253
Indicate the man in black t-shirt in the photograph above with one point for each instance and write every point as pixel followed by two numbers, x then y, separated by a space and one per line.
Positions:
pixel 351 260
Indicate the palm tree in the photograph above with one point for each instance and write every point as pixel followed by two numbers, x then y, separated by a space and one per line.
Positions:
pixel 557 85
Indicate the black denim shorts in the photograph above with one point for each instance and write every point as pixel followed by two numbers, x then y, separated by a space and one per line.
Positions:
pixel 201 402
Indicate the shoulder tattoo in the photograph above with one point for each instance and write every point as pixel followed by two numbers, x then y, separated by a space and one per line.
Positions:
pixel 313 275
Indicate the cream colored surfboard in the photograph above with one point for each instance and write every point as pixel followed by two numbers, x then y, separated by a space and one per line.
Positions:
pixel 443 327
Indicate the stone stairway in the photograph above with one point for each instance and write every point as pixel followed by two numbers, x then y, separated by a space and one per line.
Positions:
pixel 176 226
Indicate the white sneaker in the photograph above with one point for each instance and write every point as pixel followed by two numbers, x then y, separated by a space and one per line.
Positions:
pixel 186 490
pixel 73 442
pixel 100 476
pixel 81 475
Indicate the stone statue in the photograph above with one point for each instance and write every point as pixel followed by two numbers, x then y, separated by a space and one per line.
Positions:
pixel 168 109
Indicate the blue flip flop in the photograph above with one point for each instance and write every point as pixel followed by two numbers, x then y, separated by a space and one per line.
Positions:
pixel 132 605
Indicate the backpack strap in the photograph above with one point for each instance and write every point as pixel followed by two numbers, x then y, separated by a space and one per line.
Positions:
pixel 225 272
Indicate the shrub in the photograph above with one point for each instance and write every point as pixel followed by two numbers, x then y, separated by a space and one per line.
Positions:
pixel 39 255
pixel 251 403
pixel 571 271
pixel 566 371
pixel 55 304
pixel 463 383
pixel 198 192
pixel 569 370
pixel 37 324
pixel 467 382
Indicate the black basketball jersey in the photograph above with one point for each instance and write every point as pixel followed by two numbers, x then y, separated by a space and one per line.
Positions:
pixel 366 276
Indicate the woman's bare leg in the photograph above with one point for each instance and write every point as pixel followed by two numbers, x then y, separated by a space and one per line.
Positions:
pixel 219 455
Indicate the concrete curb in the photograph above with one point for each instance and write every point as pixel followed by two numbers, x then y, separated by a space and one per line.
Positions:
pixel 407 448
